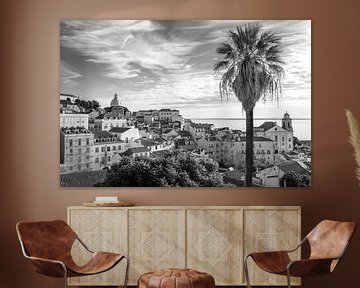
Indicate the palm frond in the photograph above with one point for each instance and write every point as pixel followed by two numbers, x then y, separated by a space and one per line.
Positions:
pixel 224 48
pixel 220 65
pixel 253 65
pixel 354 139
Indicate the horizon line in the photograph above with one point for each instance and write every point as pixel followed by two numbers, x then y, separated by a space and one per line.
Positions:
pixel 261 118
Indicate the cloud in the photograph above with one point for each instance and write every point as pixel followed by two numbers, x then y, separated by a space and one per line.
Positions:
pixel 70 78
pixel 155 63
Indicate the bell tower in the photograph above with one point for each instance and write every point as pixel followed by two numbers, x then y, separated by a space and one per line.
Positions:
pixel 287 122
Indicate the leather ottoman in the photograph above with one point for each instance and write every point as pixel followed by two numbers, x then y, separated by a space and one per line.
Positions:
pixel 176 278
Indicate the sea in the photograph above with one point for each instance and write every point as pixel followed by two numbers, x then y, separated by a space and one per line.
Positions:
pixel 301 126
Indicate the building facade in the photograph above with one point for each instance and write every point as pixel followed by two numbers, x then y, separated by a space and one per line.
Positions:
pixel 74 120
pixel 283 137
pixel 76 150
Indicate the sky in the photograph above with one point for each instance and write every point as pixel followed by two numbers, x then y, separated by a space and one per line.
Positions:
pixel 169 64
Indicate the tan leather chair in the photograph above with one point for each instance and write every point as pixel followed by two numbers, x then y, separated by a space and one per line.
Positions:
pixel 328 242
pixel 48 245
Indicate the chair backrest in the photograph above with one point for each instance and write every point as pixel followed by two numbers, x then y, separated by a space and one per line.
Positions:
pixel 329 239
pixel 46 239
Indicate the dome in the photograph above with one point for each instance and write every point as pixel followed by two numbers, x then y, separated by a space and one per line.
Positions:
pixel 115 101
pixel 286 115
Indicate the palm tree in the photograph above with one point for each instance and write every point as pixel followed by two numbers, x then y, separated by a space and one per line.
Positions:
pixel 253 68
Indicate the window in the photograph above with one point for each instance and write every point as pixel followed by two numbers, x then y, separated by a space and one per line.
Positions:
pixel 114 148
pixel 108 148
pixel 119 147
pixel 79 142
pixel 102 149
pixel 276 138
pixel 282 139
pixel 87 165
pixel 108 158
pixel 102 160
pixel 79 160
pixel 79 167
pixel 268 152
pixel 71 151
pixel 87 141
pixel 70 142
pixel 87 157
pixel 97 149
pixel 97 160
pixel 87 150
pixel 79 150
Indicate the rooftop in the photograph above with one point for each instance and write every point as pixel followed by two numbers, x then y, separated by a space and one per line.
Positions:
pixel 82 179
pixel 75 130
pixel 119 129
pixel 267 125
pixel 135 150
pixel 103 134
pixel 293 166
pixel 151 142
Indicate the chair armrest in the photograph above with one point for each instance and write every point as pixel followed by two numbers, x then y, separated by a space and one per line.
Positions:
pixel 271 261
pixel 309 267
pixel 48 267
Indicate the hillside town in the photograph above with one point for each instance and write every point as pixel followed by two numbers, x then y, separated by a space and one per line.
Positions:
pixel 92 139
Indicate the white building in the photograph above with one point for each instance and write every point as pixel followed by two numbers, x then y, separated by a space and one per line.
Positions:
pixel 170 115
pixel 230 151
pixel 157 144
pixel 76 150
pixel 127 134
pixel 105 123
pixel 270 177
pixel 137 152
pixel 282 136
pixel 197 130
pixel 108 149
pixel 74 120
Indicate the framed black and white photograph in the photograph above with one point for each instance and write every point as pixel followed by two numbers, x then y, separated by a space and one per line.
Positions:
pixel 186 103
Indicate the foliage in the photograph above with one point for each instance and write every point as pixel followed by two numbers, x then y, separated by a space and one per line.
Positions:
pixel 292 179
pixel 176 169
pixel 88 105
pixel 296 142
pixel 253 68
pixel 354 139
pixel 252 64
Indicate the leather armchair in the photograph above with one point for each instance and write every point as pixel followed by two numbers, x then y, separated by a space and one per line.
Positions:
pixel 328 243
pixel 48 245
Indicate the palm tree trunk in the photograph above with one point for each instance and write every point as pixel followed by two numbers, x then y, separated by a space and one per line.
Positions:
pixel 249 157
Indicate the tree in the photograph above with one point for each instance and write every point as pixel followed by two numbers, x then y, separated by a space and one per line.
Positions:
pixel 253 68
pixel 89 106
pixel 292 179
pixel 176 169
